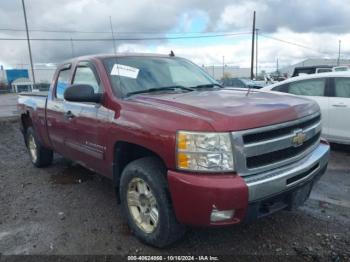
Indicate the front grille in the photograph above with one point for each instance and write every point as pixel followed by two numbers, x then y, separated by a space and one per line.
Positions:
pixel 256 137
pixel 262 149
pixel 280 155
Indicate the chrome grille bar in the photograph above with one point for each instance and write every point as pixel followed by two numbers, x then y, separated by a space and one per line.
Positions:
pixel 265 149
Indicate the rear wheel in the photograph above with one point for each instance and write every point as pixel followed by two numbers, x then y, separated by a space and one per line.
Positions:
pixel 146 203
pixel 39 155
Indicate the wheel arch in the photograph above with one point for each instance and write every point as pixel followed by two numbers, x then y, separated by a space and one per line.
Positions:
pixel 125 153
pixel 26 121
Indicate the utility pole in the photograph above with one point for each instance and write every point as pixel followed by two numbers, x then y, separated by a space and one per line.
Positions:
pixel 223 67
pixel 256 52
pixel 252 57
pixel 29 49
pixel 338 62
pixel 114 48
pixel 277 70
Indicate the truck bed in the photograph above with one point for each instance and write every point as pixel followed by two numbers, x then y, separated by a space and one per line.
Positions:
pixel 40 93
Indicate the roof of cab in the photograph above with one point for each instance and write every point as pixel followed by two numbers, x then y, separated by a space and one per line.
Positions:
pixel 103 56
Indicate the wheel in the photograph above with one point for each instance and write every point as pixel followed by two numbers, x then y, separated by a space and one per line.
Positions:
pixel 146 203
pixel 39 155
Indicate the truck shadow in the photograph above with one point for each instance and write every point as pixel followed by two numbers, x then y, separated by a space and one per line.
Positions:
pixel 340 148
pixel 72 174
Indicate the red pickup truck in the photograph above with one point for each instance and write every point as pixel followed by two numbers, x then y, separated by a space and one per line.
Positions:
pixel 179 148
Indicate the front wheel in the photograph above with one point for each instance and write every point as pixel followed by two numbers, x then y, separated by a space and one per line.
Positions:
pixel 146 203
pixel 39 155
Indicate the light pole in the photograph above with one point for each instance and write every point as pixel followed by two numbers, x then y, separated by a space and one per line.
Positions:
pixel 72 46
pixel 223 67
pixel 256 53
pixel 338 62
pixel 252 57
pixel 29 49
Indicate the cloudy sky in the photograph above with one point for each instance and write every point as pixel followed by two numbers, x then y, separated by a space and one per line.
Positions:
pixel 308 28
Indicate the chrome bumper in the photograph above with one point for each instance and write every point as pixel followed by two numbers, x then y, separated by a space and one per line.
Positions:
pixel 276 181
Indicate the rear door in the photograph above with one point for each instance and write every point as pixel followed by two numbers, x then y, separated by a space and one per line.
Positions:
pixel 315 89
pixel 56 122
pixel 339 110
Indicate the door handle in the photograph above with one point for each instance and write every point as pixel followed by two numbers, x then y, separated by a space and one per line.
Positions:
pixel 69 115
pixel 339 105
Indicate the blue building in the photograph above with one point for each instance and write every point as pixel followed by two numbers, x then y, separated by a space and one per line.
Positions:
pixel 13 74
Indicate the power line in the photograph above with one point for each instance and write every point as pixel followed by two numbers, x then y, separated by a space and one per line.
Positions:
pixel 108 32
pixel 125 39
pixel 290 43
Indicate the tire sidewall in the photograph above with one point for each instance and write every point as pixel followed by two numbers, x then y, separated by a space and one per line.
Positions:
pixel 159 192
pixel 30 132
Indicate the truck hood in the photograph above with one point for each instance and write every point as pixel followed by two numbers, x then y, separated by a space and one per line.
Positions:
pixel 232 109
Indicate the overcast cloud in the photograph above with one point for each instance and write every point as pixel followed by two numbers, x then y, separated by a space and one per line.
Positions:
pixel 315 24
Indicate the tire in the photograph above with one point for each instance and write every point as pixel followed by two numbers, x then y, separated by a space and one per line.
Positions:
pixel 151 173
pixel 39 155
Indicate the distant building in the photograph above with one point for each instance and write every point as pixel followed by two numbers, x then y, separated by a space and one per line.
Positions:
pixel 217 72
pixel 22 85
pixel 314 62
pixel 13 74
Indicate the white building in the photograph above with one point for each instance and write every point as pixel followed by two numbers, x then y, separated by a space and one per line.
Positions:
pixel 22 85
pixel 217 72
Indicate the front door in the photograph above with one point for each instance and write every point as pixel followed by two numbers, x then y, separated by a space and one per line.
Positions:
pixel 339 111
pixel 84 136
pixel 317 90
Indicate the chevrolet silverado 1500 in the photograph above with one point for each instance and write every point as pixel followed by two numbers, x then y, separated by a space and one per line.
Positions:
pixel 179 148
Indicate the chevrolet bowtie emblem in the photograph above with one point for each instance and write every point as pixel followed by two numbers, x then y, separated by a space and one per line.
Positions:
pixel 299 138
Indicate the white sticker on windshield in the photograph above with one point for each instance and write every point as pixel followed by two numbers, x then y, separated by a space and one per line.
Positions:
pixel 124 70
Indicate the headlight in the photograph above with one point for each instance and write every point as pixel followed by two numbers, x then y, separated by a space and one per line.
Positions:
pixel 208 152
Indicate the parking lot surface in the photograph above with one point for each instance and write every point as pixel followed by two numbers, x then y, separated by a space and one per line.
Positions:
pixel 67 210
pixel 8 106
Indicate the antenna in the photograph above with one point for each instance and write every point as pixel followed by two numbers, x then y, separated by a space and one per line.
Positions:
pixel 110 22
pixel 114 49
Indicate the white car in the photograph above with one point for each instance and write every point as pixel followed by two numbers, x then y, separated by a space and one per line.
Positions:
pixel 332 92
pixel 340 68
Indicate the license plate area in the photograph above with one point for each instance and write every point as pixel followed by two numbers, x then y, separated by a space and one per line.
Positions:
pixel 289 200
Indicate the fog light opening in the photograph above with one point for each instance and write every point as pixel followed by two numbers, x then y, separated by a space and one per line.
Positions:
pixel 221 215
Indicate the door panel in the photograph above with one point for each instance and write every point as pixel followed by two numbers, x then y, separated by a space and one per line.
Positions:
pixel 323 102
pixel 339 111
pixel 56 123
pixel 85 135
pixel 317 90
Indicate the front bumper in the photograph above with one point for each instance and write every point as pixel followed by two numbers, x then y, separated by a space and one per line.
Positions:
pixel 194 196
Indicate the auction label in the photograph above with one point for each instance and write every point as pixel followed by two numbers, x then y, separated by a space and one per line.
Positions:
pixel 124 70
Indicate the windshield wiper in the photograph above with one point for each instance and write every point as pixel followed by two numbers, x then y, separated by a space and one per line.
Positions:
pixel 164 88
pixel 207 86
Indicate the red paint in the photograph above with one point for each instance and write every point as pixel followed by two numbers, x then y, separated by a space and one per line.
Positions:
pixel 194 195
pixel 151 121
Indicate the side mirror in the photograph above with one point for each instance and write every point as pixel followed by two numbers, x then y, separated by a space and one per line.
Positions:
pixel 81 93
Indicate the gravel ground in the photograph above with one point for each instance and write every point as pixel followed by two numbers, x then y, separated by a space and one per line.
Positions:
pixel 67 210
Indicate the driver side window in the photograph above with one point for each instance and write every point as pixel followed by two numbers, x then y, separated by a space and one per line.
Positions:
pixel 86 76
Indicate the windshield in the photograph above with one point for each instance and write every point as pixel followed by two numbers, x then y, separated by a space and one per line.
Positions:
pixel 137 74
